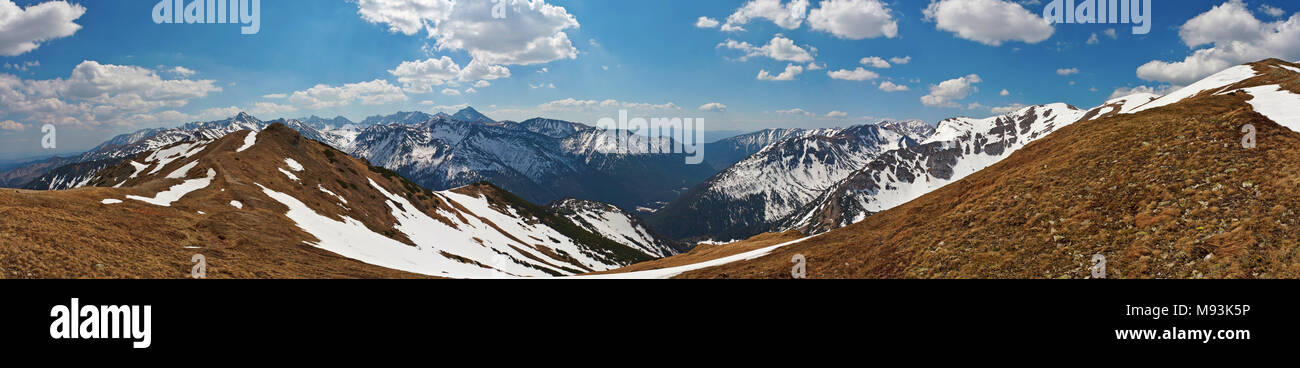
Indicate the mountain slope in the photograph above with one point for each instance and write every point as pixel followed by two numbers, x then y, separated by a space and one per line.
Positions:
pixel 615 224
pixel 959 147
pixel 755 194
pixel 1167 192
pixel 253 201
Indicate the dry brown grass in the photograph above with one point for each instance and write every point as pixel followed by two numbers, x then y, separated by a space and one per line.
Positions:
pixel 1168 193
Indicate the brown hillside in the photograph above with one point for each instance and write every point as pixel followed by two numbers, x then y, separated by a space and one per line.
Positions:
pixel 1166 193
pixel 72 234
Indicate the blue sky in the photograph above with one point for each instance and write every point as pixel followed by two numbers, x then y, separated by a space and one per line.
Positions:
pixel 654 58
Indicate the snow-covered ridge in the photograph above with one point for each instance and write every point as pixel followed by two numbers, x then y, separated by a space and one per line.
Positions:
pixel 615 224
pixel 959 147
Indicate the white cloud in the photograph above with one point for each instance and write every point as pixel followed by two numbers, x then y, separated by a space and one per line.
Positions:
pixel 791 71
pixel 23 30
pixel 572 104
pixel 789 15
pixel 858 74
pixel 1004 93
pixel 482 84
pixel 1006 109
pixel 1110 32
pixel 946 94
pixel 836 114
pixel 421 76
pixel 98 94
pixel 990 22
pixel 1067 71
pixel 182 72
pixel 900 60
pixel 532 32
pixel 888 86
pixel 713 107
pixel 470 91
pixel 450 92
pixel 796 111
pixel 1093 40
pixel 270 109
pixel 376 92
pixel 1236 37
pixel 11 125
pixel 815 66
pixel 778 48
pixel 854 19
pixel 1272 11
pixel 275 96
pixel 706 22
pixel 875 62
pixel 1129 91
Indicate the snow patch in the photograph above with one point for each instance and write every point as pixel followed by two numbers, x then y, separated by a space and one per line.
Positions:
pixel 111 201
pixel 1220 80
pixel 666 273
pixel 176 192
pixel 293 165
pixel 289 174
pixel 237 204
pixel 1279 105
pixel 249 140
pixel 180 173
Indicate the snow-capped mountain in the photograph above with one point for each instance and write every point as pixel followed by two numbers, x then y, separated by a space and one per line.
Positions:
pixel 295 191
pixel 471 115
pixel 755 194
pixel 401 117
pixel 615 224
pixel 724 153
pixel 326 123
pixel 958 147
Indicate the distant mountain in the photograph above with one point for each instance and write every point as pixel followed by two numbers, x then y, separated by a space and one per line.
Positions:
pixel 401 117
pixel 471 115
pixel 615 224
pixel 1161 191
pixel 726 152
pixel 958 148
pixel 273 204
pixel 325 124
pixel 755 194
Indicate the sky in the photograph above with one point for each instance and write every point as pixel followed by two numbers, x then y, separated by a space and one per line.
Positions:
pixel 97 68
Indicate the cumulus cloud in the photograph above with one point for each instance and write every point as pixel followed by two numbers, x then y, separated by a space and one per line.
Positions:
pixel 888 86
pixel 1006 109
pixel 1004 93
pixel 836 114
pixel 11 125
pixel 1129 91
pixel 98 94
pixel 450 92
pixel 572 104
pixel 796 111
pixel 706 22
pixel 946 94
pixel 421 76
pixel 788 15
pixel 713 107
pixel 532 32
pixel 858 74
pixel 875 62
pixel 990 22
pixel 854 19
pixel 900 60
pixel 791 71
pixel 778 48
pixel 376 92
pixel 1235 36
pixel 1067 71
pixel 23 30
